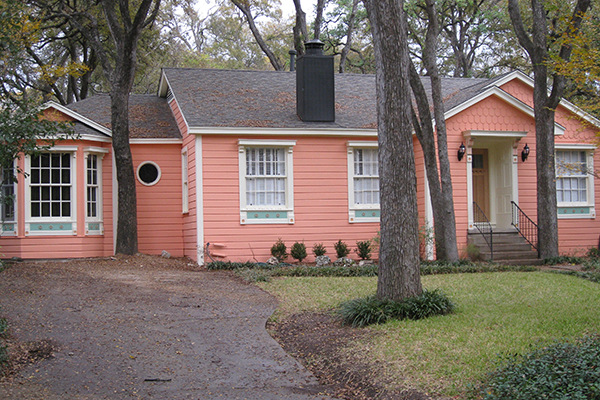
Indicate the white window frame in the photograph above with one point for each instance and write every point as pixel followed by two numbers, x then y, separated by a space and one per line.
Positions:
pixel 273 214
pixel 94 225
pixel 12 223
pixel 577 210
pixel 185 190
pixel 358 213
pixel 51 226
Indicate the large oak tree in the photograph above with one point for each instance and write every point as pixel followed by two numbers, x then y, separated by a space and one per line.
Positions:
pixel 398 276
pixel 537 39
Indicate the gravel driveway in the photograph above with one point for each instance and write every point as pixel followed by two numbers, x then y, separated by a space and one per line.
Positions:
pixel 145 328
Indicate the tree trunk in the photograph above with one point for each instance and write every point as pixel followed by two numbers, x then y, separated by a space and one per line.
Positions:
pixel 300 31
pixel 544 105
pixel 318 19
pixel 398 276
pixel 127 223
pixel 349 34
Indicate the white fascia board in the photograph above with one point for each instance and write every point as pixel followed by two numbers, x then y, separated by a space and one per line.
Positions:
pixel 163 84
pixel 92 138
pixel 281 131
pixel 574 146
pixel 506 97
pixel 155 141
pixel 78 117
pixel 563 102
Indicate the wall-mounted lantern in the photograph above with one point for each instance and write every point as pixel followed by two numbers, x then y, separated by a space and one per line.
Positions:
pixel 461 151
pixel 525 153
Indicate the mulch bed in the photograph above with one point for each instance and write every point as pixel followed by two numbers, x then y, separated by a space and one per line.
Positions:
pixel 318 341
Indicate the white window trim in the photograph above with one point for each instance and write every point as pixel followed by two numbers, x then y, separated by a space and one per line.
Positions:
pixel 33 221
pixel 265 212
pixel 352 207
pixel 15 220
pixel 185 189
pixel 137 173
pixel 590 189
pixel 100 153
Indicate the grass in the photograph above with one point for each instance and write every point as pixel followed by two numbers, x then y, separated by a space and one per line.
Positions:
pixel 497 313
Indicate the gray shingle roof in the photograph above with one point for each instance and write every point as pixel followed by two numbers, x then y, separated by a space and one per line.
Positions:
pixel 149 115
pixel 235 98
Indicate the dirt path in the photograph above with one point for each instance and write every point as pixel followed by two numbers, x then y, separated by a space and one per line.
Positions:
pixel 143 328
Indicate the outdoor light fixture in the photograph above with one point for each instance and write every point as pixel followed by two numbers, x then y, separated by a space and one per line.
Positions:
pixel 462 150
pixel 525 153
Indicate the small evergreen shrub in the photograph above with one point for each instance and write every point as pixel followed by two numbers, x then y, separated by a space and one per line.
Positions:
pixel 341 249
pixel 564 370
pixel 319 250
pixel 371 310
pixel 279 250
pixel 593 252
pixel 363 249
pixel 298 251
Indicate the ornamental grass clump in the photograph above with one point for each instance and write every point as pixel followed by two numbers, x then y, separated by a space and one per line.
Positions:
pixel 564 370
pixel 298 251
pixel 371 310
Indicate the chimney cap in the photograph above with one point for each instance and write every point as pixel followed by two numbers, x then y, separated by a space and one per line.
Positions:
pixel 314 46
pixel 292 52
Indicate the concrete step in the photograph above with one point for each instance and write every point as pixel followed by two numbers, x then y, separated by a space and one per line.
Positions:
pixel 509 248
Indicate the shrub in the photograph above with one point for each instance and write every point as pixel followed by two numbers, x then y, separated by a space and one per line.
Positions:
pixel 371 310
pixel 564 370
pixel 319 250
pixel 3 348
pixel 563 260
pixel 341 249
pixel 473 252
pixel 228 265
pixel 3 326
pixel 329 271
pixel 593 252
pixel 298 251
pixel 426 239
pixel 254 275
pixel 363 249
pixel 279 250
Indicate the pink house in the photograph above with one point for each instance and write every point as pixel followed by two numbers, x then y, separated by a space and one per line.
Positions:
pixel 230 161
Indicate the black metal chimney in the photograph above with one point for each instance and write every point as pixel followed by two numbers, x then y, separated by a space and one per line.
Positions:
pixel 315 92
pixel 292 54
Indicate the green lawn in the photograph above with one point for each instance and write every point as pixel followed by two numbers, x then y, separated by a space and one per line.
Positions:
pixel 497 313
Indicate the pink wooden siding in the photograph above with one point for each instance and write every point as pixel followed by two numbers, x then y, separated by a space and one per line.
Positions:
pixel 189 220
pixel 320 200
pixel 66 246
pixel 159 206
pixel 491 114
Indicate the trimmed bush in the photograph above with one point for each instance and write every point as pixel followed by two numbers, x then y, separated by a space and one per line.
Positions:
pixel 298 251
pixel 341 249
pixel 319 250
pixel 371 310
pixel 329 270
pixel 363 249
pixel 564 370
pixel 279 250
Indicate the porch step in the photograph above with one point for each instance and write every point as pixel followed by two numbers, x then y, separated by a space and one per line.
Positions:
pixel 509 248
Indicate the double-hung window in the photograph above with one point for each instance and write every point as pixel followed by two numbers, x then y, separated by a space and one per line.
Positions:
pixel 266 181
pixel 363 182
pixel 93 190
pixel 50 195
pixel 574 183
pixel 7 201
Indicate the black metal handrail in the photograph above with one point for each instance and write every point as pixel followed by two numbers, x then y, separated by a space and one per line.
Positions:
pixel 483 225
pixel 525 226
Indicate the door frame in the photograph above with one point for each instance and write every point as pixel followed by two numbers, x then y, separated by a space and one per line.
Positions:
pixel 481 139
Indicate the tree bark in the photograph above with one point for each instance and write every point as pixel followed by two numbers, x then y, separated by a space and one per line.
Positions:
pixel 318 19
pixel 398 276
pixel 300 31
pixel 349 34
pixel 544 105
pixel 245 9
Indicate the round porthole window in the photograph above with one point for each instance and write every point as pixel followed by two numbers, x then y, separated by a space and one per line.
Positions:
pixel 148 173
